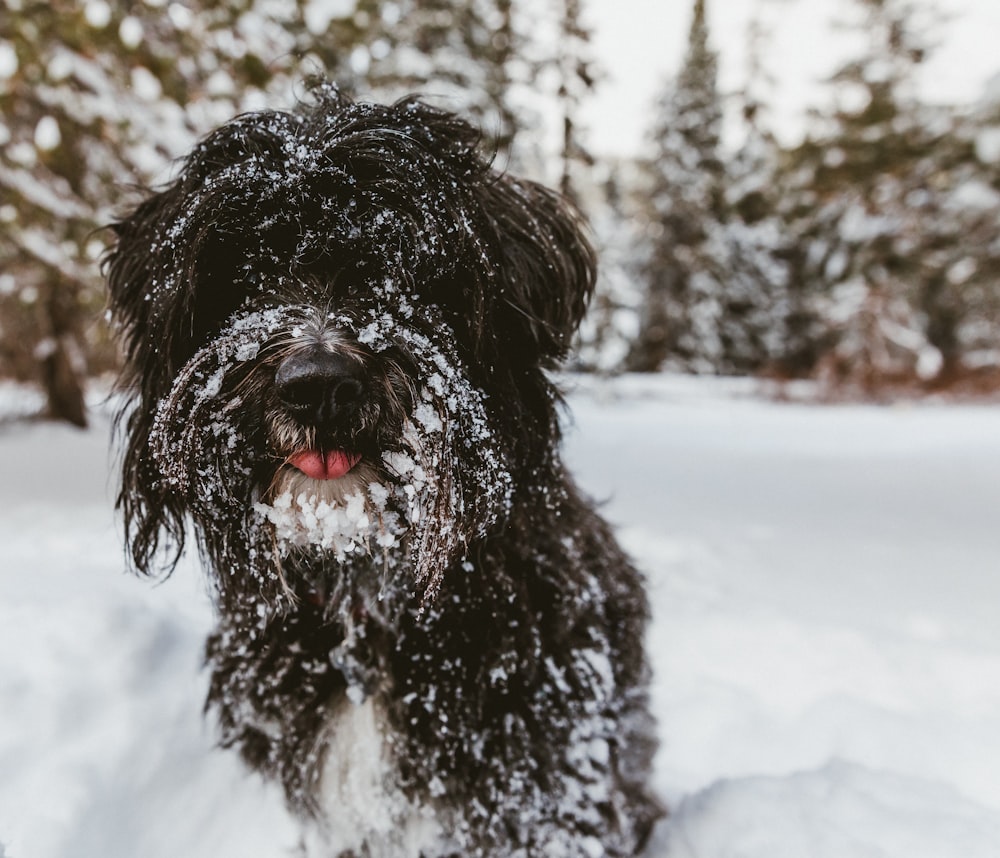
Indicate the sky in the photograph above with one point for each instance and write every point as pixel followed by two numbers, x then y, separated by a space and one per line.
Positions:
pixel 640 43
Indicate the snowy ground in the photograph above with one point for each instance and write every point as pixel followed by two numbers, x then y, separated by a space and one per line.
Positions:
pixel 826 636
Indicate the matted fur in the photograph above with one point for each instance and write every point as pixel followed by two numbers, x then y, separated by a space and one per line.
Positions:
pixel 439 653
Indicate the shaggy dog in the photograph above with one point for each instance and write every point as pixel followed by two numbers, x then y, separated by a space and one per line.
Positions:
pixel 337 324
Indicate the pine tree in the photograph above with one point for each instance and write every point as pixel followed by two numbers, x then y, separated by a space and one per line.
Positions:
pixel 757 316
pixel 881 233
pixel 682 276
pixel 611 324
pixel 971 265
pixel 462 54
pixel 576 78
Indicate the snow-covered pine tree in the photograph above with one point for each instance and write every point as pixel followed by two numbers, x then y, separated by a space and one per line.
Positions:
pixel 464 55
pixel 611 324
pixel 683 280
pixel 757 316
pixel 842 207
pixel 888 209
pixel 971 265
pixel 575 76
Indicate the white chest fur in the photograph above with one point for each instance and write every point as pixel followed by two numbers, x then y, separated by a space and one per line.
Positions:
pixel 365 810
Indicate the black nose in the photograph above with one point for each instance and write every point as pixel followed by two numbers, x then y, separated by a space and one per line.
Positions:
pixel 319 386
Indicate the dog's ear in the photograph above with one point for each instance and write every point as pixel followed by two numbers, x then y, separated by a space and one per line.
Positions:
pixel 152 514
pixel 131 268
pixel 150 274
pixel 547 268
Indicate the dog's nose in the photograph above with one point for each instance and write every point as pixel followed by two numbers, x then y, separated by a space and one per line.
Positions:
pixel 320 386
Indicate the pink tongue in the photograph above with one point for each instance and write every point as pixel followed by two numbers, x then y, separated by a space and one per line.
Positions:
pixel 331 465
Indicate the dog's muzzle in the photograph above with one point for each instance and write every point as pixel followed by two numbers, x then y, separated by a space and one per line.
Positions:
pixel 322 390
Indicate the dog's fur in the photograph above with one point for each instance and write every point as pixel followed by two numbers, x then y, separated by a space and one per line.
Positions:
pixel 440 652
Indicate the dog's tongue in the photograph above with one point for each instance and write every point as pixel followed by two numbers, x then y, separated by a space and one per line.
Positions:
pixel 320 465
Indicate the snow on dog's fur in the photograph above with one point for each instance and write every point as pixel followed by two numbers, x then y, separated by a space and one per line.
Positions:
pixel 337 324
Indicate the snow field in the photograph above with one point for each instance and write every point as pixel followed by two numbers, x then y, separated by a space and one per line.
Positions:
pixel 103 748
pixel 825 639
pixel 825 643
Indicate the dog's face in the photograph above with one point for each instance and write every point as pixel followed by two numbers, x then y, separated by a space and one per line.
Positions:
pixel 335 326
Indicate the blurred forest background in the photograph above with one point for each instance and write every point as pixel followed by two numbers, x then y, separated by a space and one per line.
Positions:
pixel 866 257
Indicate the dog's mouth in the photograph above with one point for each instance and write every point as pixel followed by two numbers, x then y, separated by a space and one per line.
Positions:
pixel 324 464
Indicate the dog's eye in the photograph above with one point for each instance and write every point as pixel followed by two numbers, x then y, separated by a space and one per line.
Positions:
pixel 217 299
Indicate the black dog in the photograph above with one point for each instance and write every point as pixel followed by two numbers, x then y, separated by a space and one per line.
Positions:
pixel 337 324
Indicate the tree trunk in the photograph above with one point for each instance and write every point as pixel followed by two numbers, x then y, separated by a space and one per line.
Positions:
pixel 59 358
pixel 657 337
